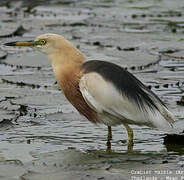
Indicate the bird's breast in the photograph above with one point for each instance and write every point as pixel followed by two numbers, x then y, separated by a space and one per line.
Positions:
pixel 69 83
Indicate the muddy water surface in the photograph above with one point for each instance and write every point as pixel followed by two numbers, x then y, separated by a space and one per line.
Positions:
pixel 41 134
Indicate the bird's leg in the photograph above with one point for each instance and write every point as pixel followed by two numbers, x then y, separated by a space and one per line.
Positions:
pixel 130 137
pixel 109 133
pixel 109 138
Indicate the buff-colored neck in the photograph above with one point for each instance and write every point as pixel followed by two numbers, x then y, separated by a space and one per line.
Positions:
pixel 66 65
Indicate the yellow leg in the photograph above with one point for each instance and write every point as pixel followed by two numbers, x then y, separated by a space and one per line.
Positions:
pixel 109 137
pixel 130 138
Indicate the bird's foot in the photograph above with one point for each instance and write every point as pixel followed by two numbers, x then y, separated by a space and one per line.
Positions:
pixel 130 147
pixel 108 146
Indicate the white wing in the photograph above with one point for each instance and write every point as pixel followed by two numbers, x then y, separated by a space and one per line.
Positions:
pixel 114 107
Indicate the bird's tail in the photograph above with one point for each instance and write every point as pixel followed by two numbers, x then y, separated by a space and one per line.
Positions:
pixel 166 119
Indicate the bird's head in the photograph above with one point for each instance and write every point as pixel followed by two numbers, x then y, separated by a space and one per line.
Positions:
pixel 59 50
pixel 46 43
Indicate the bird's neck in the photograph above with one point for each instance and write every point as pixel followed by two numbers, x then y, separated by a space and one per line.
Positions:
pixel 66 55
pixel 66 67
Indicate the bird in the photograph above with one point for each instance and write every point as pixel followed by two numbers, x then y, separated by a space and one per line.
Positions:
pixel 101 91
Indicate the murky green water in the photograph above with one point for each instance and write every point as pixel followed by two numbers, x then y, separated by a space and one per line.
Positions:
pixel 145 36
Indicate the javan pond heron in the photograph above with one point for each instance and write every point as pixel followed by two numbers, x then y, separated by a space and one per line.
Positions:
pixel 101 91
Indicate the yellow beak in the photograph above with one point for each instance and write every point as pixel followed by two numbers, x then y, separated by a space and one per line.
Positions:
pixel 21 43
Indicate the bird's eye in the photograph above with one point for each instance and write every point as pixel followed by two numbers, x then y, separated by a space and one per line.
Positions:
pixel 42 42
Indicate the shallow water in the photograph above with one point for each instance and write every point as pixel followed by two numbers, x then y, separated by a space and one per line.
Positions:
pixel 145 36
